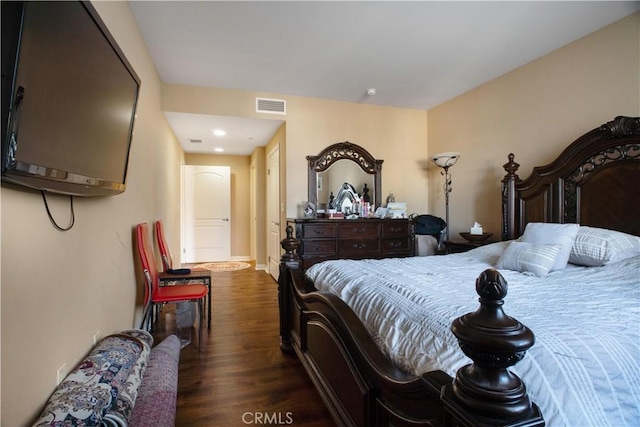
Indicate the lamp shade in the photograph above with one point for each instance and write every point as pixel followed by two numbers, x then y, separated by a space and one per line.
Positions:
pixel 445 160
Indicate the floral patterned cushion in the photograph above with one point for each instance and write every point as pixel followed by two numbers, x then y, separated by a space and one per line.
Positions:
pixel 102 389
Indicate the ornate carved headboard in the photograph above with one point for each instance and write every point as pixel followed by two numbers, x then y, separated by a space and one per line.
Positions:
pixel 595 181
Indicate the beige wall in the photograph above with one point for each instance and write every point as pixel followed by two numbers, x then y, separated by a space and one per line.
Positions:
pixel 59 288
pixel 397 136
pixel 240 190
pixel 534 111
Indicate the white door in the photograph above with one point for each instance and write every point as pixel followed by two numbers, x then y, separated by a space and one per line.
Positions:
pixel 273 211
pixel 205 214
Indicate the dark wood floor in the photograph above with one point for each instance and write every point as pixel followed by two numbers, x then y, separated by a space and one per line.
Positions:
pixel 241 377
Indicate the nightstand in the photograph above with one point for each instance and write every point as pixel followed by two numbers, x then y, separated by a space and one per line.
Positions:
pixel 461 245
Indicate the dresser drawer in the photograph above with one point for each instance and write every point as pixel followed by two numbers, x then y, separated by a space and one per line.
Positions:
pixel 348 247
pixel 359 230
pixel 318 247
pixel 320 231
pixel 396 245
pixel 392 228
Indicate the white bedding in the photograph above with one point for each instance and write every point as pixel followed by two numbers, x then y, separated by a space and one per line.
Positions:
pixel 584 368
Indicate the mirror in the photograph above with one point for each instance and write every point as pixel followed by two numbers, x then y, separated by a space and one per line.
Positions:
pixel 339 174
pixel 342 163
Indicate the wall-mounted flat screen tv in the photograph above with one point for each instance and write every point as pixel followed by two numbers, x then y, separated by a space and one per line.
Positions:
pixel 68 100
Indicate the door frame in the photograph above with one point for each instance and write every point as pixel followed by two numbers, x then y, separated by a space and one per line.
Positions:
pixel 273 193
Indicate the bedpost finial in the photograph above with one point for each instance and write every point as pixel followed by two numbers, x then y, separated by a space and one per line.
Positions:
pixel 511 166
pixel 289 244
pixel 491 286
pixel 494 341
pixel 489 329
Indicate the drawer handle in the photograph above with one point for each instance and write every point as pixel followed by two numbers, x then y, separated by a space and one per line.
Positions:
pixel 396 229
pixel 318 248
pixel 319 231
pixel 396 244
pixel 359 245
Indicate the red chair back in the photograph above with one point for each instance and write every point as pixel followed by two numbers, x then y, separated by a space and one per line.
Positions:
pixel 149 267
pixel 165 255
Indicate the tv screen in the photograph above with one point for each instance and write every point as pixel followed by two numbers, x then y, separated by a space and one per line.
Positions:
pixel 68 102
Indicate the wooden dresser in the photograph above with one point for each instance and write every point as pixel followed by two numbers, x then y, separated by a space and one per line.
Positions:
pixel 324 239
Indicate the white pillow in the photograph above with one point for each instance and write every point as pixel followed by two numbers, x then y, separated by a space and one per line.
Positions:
pixel 531 257
pixel 599 246
pixel 547 234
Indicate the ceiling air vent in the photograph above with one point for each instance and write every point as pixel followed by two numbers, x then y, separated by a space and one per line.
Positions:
pixel 195 141
pixel 271 106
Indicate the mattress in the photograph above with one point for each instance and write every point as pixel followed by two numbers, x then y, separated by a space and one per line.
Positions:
pixel 584 368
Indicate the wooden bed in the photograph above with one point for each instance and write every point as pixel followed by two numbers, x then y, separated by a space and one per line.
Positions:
pixel 593 182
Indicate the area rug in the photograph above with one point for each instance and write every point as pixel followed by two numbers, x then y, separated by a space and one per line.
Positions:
pixel 224 266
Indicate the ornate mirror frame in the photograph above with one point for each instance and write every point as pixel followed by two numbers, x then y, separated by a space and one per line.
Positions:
pixel 344 151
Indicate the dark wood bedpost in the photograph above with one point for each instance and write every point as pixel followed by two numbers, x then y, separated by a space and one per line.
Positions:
pixel 289 260
pixel 494 341
pixel 509 199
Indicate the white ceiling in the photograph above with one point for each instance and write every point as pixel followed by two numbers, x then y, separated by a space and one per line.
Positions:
pixel 417 54
pixel 242 135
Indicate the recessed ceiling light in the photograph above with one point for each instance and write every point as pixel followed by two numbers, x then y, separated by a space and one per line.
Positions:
pixel 219 132
pixel 218 150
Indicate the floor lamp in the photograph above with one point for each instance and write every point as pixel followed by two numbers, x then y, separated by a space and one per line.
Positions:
pixel 445 161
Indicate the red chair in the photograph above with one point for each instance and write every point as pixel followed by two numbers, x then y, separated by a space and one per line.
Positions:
pixel 181 276
pixel 156 295
pixel 165 255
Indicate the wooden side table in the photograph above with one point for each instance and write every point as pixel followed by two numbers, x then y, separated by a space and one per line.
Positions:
pixel 460 245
